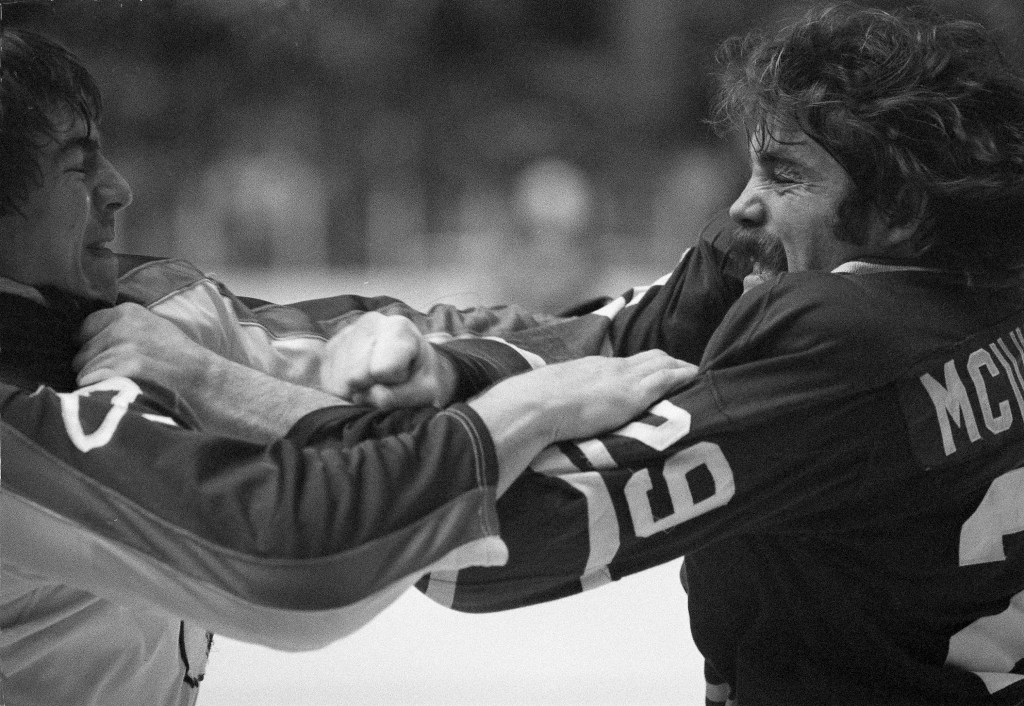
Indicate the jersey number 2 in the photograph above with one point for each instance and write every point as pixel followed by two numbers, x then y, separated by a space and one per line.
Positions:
pixel 992 645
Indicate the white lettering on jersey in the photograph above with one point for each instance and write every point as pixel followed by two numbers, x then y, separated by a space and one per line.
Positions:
pixel 951 402
pixel 705 456
pixel 1000 513
pixel 954 403
pixel 992 645
pixel 659 437
pixel 1010 365
pixel 996 424
pixel 126 393
pixel 701 468
pixel 674 425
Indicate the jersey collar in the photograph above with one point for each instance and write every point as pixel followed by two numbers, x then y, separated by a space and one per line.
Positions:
pixel 970 279
pixel 859 267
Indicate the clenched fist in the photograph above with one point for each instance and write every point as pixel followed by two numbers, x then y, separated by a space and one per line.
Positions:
pixel 385 361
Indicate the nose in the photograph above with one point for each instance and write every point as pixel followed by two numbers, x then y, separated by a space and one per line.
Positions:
pixel 748 210
pixel 112 191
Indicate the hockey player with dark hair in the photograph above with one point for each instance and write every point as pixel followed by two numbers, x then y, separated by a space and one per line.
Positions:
pixel 127 537
pixel 844 474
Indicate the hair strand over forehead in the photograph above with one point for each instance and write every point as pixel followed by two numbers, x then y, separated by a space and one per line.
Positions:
pixel 41 85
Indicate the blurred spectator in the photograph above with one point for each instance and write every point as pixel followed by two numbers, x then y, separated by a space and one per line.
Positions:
pixel 552 262
pixel 263 203
pixel 404 134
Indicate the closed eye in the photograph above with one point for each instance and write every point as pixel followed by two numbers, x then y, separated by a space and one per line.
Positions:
pixel 782 176
pixel 81 155
pixel 780 170
pixel 783 173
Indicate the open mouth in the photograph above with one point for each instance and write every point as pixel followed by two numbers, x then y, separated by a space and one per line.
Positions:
pixel 99 249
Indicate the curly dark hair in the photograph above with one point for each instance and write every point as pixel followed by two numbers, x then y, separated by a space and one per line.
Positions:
pixel 924 113
pixel 40 82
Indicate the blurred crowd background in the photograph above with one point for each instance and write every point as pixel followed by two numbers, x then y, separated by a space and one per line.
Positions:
pixel 548 148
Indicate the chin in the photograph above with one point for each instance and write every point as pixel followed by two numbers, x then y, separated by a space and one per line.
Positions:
pixel 99 280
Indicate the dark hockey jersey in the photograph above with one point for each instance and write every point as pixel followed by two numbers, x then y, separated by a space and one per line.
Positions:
pixel 844 478
pixel 38 336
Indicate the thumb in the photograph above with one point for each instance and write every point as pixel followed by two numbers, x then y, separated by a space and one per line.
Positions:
pixel 94 323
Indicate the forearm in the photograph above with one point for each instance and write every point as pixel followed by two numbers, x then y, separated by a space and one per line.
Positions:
pixel 227 396
pixel 234 400
pixel 291 545
pixel 519 432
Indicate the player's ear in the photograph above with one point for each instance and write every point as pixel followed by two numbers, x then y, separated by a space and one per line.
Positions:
pixel 903 236
pixel 902 227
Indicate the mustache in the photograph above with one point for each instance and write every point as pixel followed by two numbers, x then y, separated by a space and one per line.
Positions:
pixel 766 252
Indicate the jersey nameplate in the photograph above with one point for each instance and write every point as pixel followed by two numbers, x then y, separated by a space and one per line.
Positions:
pixel 964 402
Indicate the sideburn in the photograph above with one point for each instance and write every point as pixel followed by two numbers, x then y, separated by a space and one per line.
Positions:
pixel 853 219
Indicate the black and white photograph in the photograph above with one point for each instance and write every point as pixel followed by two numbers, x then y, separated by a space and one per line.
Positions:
pixel 511 352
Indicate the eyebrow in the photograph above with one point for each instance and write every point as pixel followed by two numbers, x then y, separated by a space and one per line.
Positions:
pixel 772 157
pixel 87 143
